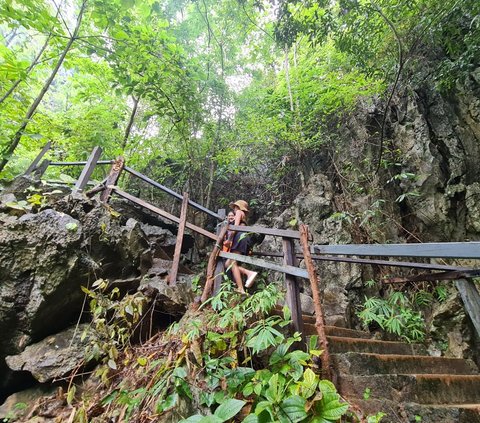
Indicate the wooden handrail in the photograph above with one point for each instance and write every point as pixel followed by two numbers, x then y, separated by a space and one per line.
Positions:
pixel 467 250
pixel 319 317
pixel 82 163
pixel 161 212
pixel 409 264
pixel 291 270
pixel 284 233
pixel 171 192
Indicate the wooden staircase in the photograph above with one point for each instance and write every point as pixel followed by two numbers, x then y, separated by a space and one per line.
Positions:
pixel 400 379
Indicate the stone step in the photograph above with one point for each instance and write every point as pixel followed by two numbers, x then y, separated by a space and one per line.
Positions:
pixel 338 344
pixel 396 412
pixel 417 388
pixel 310 329
pixel 451 413
pixel 372 364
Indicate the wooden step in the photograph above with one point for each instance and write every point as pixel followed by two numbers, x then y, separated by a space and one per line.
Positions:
pixel 372 364
pixel 417 388
pixel 338 344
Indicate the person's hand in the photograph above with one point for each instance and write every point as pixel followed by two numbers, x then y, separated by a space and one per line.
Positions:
pixel 227 244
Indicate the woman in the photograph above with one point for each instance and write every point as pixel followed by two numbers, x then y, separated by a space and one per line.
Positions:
pixel 237 243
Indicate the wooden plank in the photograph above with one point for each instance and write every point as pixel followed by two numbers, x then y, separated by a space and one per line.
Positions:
pixel 162 213
pixel 178 245
pixel 218 276
pixel 284 233
pixel 293 291
pixel 112 178
pixel 40 170
pixel 442 276
pixel 212 264
pixel 220 266
pixel 469 250
pixel 88 169
pixel 35 163
pixel 425 266
pixel 291 270
pixel 171 192
pixel 471 301
pixel 319 316
pixel 81 163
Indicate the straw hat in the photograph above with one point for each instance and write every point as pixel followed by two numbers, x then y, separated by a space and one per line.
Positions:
pixel 241 204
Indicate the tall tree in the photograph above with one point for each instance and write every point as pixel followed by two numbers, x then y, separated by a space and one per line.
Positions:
pixel 15 139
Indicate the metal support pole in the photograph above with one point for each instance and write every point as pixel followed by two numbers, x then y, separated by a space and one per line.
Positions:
pixel 293 291
pixel 319 317
pixel 220 265
pixel 112 178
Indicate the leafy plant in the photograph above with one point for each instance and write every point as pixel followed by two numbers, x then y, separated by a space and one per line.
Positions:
pixel 395 315
pixel 114 321
pixel 223 413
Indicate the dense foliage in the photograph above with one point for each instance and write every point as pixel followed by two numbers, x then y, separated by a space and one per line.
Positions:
pixel 232 356
pixel 195 93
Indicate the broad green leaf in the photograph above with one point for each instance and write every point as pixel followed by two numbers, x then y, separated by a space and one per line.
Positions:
pixel 251 418
pixel 309 383
pixel 229 409
pixel 192 419
pixel 292 410
pixel 211 419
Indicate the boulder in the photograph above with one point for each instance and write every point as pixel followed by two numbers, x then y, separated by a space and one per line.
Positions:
pixel 53 357
pixel 46 257
pixel 169 299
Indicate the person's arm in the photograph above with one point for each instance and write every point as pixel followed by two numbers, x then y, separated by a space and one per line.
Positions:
pixel 239 218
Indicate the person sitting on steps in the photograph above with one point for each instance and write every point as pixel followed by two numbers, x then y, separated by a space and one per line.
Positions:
pixel 238 243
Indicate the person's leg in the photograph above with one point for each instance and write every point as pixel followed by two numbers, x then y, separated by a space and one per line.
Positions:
pixel 250 274
pixel 237 275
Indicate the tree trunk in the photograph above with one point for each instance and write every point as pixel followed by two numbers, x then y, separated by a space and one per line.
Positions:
pixel 32 65
pixel 9 150
pixel 130 123
pixel 287 78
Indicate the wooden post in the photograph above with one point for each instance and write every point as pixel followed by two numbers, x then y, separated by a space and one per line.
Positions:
pixel 220 265
pixel 293 291
pixel 88 170
pixel 172 279
pixel 211 264
pixel 112 178
pixel 319 318
pixel 40 170
pixel 35 163
pixel 471 301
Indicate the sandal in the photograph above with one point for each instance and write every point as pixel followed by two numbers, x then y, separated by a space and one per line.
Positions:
pixel 251 280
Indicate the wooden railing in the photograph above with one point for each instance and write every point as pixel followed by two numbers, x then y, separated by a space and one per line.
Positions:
pixel 108 187
pixel 289 254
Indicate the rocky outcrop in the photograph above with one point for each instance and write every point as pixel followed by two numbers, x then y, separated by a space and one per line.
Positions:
pixel 53 357
pixel 426 189
pixel 47 252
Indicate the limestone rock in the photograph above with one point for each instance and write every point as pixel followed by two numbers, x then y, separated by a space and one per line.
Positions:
pixel 448 323
pixel 53 357
pixel 19 404
pixel 307 304
pixel 169 299
pixel 46 257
